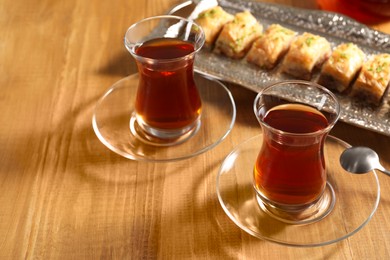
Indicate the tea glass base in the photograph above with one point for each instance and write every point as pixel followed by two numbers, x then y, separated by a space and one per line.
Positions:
pixel 304 214
pixel 160 137
pixel 115 125
pixel 339 221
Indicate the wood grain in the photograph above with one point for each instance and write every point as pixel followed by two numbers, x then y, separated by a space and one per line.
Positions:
pixel 65 196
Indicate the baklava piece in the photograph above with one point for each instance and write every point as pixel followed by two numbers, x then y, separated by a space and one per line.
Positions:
pixel 373 79
pixel 270 47
pixel 238 35
pixel 212 21
pixel 306 52
pixel 342 67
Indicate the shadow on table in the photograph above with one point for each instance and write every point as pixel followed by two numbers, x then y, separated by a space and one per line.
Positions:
pixel 90 160
pixel 121 64
pixel 197 226
pixel 200 228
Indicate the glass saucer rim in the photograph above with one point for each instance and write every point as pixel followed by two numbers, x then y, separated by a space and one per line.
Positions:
pixel 136 157
pixel 287 243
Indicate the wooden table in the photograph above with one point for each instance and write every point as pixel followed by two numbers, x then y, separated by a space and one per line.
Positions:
pixel 64 195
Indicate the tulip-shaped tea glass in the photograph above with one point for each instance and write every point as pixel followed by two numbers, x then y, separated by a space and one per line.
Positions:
pixel 167 105
pixel 290 177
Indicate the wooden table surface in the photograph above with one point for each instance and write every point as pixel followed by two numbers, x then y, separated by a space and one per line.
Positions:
pixel 64 195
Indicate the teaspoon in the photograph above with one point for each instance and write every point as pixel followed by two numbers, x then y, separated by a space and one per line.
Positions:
pixel 361 160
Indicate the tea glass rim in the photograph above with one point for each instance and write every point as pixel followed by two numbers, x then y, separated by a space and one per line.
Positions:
pixel 298 82
pixel 130 46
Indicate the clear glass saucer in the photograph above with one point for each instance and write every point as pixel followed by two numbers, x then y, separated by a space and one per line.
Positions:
pixel 112 118
pixel 357 198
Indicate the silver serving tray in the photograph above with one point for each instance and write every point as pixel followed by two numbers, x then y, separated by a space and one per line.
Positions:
pixel 334 27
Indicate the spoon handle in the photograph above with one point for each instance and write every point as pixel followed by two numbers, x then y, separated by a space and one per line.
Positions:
pixel 384 171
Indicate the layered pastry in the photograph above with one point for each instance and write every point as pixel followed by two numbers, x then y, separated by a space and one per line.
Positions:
pixel 342 67
pixel 306 52
pixel 373 79
pixel 238 35
pixel 212 21
pixel 267 50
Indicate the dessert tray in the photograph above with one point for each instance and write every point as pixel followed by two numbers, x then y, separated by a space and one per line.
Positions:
pixel 334 27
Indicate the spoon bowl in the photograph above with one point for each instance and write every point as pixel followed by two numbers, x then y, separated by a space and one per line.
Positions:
pixel 361 159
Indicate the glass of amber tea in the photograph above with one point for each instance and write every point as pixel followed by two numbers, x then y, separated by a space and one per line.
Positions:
pixel 290 177
pixel 167 105
pixel 365 11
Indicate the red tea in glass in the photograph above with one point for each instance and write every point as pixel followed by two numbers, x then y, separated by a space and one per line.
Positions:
pixel 167 97
pixel 167 104
pixel 365 11
pixel 289 174
pixel 291 170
